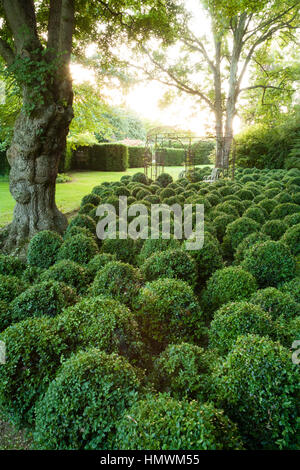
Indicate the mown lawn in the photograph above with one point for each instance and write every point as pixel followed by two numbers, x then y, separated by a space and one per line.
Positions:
pixel 69 195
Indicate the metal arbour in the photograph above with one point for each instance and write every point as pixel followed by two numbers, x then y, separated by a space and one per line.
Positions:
pixel 158 139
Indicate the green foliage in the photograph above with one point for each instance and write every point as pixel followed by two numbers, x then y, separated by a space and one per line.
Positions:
pixel 228 285
pixel 164 179
pixel 140 178
pixel 136 157
pixel 274 229
pixel 171 156
pixel 108 157
pixel 282 210
pixel 78 248
pixel 98 262
pixel 4 315
pixel 177 264
pixel 68 272
pixel 291 238
pixel 182 370
pixel 276 303
pixel 119 280
pixel 168 312
pixel 236 319
pixel 247 243
pixel 83 221
pixel 208 259
pixel 82 405
pixel 292 287
pixel 152 245
pixel 90 199
pixel 264 402
pixel 124 250
pixel 46 298
pixel 270 263
pixel 11 287
pixel 238 230
pixel 43 249
pixel 152 424
pixel 11 266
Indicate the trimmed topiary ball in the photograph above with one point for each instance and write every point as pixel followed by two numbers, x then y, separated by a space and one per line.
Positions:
pixel 78 248
pixel 11 266
pixel 182 370
pixel 152 245
pixel 221 223
pixel 258 387
pixel 282 210
pixel 32 274
pixel 274 229
pixel 92 198
pixel 43 249
pixel 228 285
pixel 177 264
pixel 292 219
pixel 164 179
pixel 153 424
pixel 270 263
pixel 11 287
pixel 247 243
pixel 168 312
pixel 119 280
pixel 70 273
pixel 47 298
pixel 276 303
pixel 83 404
pixel 291 238
pixel 139 178
pixel 236 319
pixel 106 324
pixel 125 250
pixel 71 231
pixel 4 315
pixel 98 262
pixel 256 213
pixel 208 259
pixel 84 221
pixel 238 230
pixel 292 287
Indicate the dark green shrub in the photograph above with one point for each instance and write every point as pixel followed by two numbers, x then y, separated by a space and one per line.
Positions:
pixel 168 312
pixel 84 221
pixel 92 198
pixel 34 349
pixel 142 193
pixel 177 264
pixel 43 249
pixel 46 298
pixel 171 156
pixel 282 210
pixel 228 208
pixel 221 222
pixel 139 178
pixel 255 213
pixel 270 263
pixel 106 324
pixel 119 280
pixel 109 157
pixel 268 205
pixel 247 243
pixel 86 209
pixel 78 248
pixel 125 250
pixel 274 229
pixel 68 272
pixel 166 193
pixel 153 424
pixel 152 245
pixel 228 285
pixel 122 191
pixel 238 230
pixel 236 319
pixel 83 404
pixel 258 387
pixel 164 179
pixel 245 195
pixel 182 370
pixel 276 303
pixel 71 231
pixel 292 287
pixel 136 157
pixel 283 197
pixel 291 238
pixel 98 262
pixel 208 259
pixel 32 274
pixel 11 287
pixel 11 266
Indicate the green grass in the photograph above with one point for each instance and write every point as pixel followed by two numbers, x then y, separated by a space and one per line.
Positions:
pixel 69 195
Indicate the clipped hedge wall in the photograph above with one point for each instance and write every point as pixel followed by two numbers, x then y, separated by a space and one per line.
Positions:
pixel 172 156
pixel 136 157
pixel 100 157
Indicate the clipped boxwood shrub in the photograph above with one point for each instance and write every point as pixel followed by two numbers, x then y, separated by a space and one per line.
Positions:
pixel 292 287
pixel 82 220
pixel 153 424
pixel 268 205
pixel 83 404
pixel 182 370
pixel 264 402
pixel 11 287
pixel 208 259
pixel 78 248
pixel 43 249
pixel 236 319
pixel 152 245
pixel 228 285
pixel 4 315
pixel 98 262
pixel 86 209
pixel 124 250
pixel 291 238
pixel 71 231
pixel 293 219
pixel 92 198
pixel 255 213
pixel 168 312
pixel 105 324
pixel 164 179
pixel 221 222
pixel 34 349
pixel 119 280
pixel 70 273
pixel 270 263
pixel 177 264
pixel 238 230
pixel 139 178
pixel 11 266
pixel 276 303
pixel 282 210
pixel 247 243
pixel 46 298
pixel 32 274
pixel 274 229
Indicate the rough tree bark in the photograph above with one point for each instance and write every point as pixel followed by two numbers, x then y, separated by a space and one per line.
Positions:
pixel 39 135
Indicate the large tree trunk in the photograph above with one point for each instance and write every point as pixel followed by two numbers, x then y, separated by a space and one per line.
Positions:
pixel 218 103
pixel 34 155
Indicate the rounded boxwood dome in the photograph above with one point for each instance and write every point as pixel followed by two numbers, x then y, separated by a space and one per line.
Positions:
pixel 11 266
pixel 274 229
pixel 83 404
pixel 43 249
pixel 276 303
pixel 79 248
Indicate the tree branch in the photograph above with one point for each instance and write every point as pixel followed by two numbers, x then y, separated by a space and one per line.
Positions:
pixel 6 52
pixel 54 24
pixel 67 29
pixel 20 15
pixel 264 87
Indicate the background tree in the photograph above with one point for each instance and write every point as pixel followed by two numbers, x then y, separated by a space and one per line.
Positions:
pixel 212 67
pixel 37 39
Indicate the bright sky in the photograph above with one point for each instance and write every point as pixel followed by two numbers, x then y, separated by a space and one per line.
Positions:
pixel 145 98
